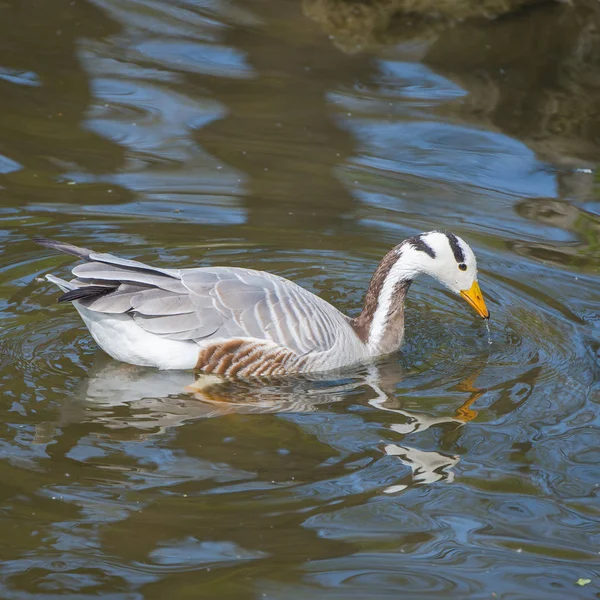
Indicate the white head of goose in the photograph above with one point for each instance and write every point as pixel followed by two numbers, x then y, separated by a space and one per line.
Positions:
pixel 240 322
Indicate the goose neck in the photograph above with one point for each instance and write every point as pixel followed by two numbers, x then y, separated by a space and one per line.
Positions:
pixel 380 325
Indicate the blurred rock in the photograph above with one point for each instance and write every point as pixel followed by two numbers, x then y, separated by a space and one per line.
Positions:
pixel 355 24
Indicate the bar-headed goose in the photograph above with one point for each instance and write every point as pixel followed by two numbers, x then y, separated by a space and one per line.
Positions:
pixel 235 321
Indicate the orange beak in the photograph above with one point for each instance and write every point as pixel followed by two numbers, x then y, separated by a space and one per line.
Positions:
pixel 475 298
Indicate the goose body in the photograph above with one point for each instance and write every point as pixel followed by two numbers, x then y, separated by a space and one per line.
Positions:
pixel 241 322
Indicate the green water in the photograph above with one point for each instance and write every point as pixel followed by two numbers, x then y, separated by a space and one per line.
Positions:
pixel 253 133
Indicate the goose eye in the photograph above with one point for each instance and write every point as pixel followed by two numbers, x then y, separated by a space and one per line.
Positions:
pixel 462 267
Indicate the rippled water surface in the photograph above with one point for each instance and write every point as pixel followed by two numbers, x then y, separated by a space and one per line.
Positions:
pixel 253 133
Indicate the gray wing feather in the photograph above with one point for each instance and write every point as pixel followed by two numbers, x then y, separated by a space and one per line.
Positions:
pixel 159 302
pixel 219 303
pixel 255 304
pixel 236 296
pixel 130 264
pixel 115 274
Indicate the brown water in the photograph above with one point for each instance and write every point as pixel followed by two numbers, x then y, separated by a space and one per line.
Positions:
pixel 247 132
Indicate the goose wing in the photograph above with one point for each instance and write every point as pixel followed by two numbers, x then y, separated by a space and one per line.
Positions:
pixel 205 304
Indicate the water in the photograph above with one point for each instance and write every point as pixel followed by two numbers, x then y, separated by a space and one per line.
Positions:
pixel 257 134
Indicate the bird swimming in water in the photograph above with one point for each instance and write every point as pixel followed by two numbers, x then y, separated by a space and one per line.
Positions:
pixel 234 321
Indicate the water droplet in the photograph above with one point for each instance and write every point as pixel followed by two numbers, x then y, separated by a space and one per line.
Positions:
pixel 487 326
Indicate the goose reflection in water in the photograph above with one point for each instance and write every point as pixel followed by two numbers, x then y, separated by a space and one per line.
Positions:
pixel 149 402
pixel 426 466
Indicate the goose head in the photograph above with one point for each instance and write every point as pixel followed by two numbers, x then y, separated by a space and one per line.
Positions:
pixel 447 258
pixel 442 255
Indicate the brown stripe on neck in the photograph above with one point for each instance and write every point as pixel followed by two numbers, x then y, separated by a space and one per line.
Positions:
pixel 362 323
pixel 394 327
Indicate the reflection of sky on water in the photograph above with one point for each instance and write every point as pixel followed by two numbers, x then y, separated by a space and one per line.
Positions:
pixel 453 154
pixel 138 78
pixel 398 79
pixel 413 154
pixel 7 165
pixel 18 77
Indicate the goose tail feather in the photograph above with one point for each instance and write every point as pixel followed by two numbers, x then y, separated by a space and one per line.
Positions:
pixel 83 253
pixel 65 286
